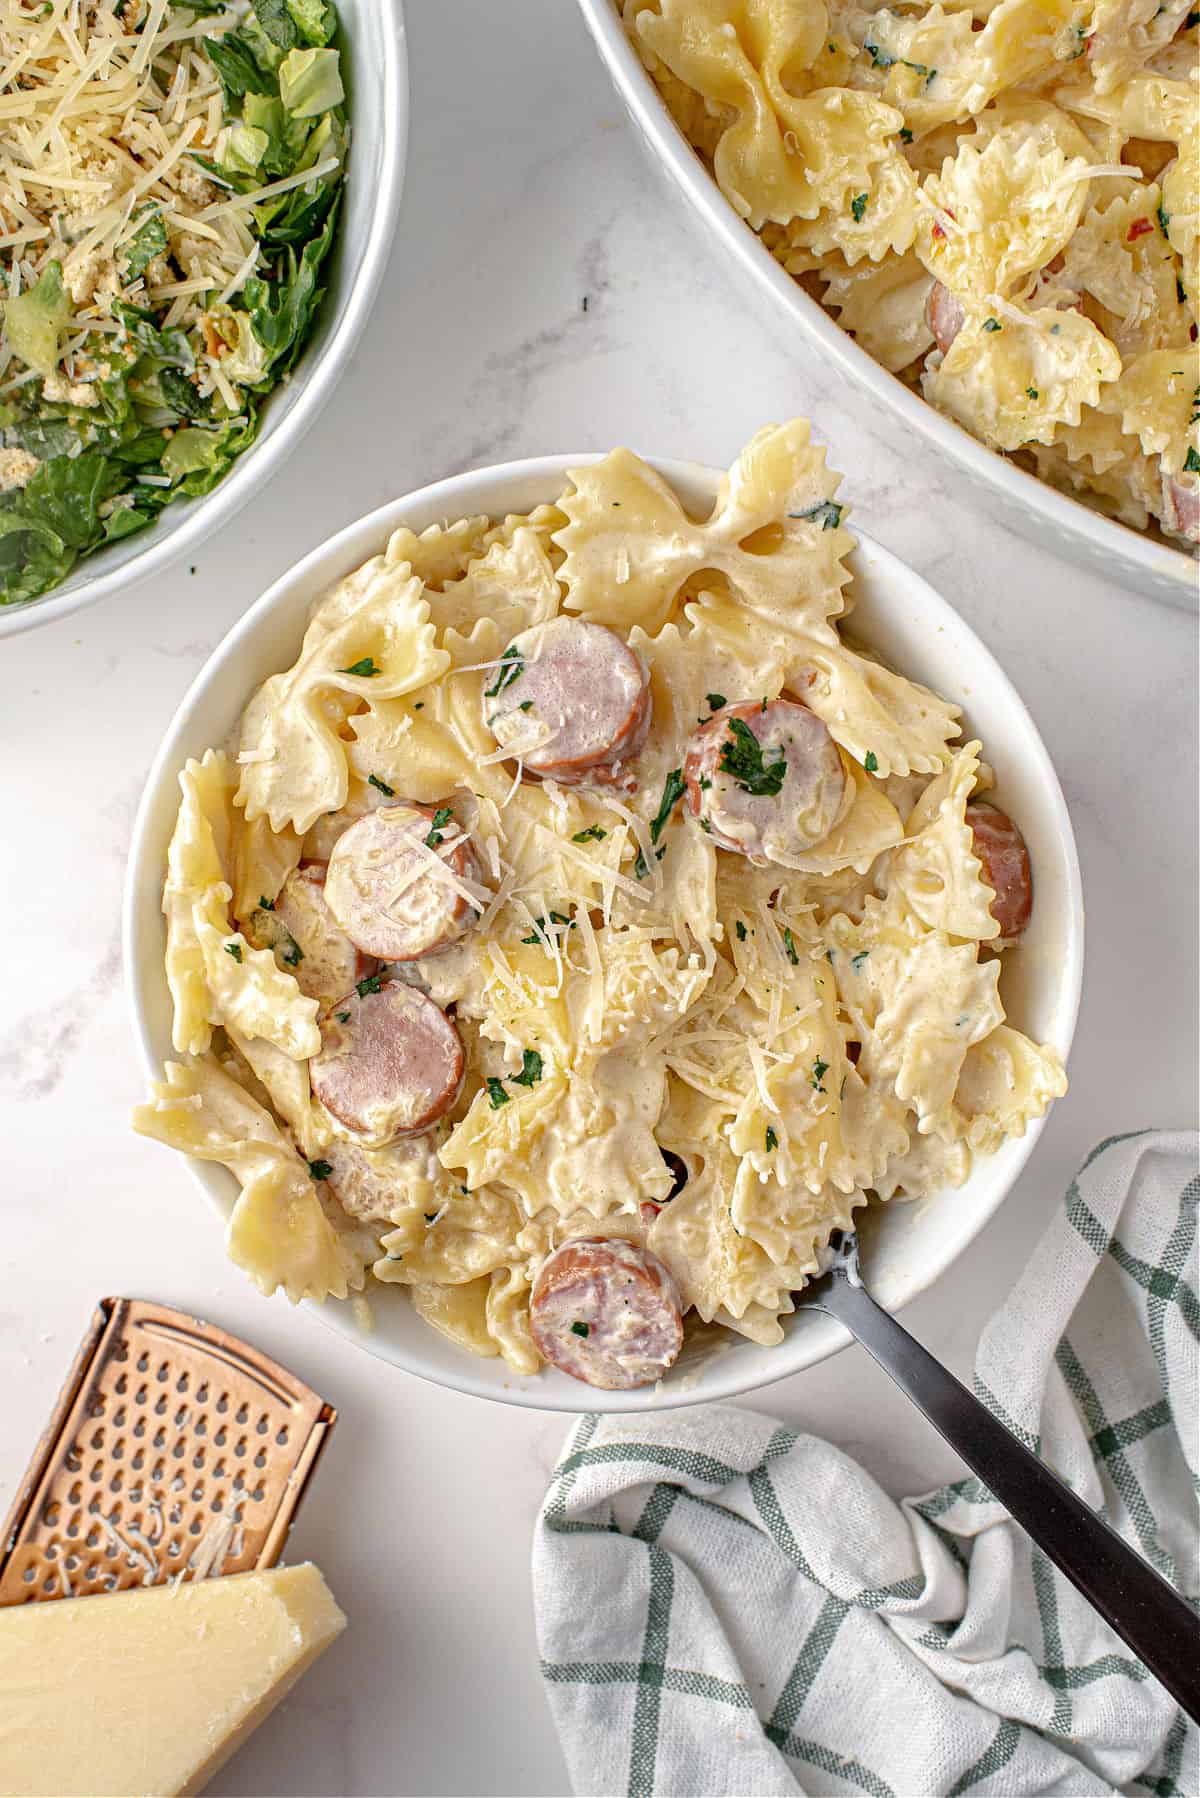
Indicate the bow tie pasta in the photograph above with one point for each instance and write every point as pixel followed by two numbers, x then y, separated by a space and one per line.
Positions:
pixel 1000 203
pixel 584 925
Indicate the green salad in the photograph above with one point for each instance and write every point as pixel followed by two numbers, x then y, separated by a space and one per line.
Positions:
pixel 169 192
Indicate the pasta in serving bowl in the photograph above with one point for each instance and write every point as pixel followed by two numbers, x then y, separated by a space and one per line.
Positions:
pixel 998 207
pixel 574 898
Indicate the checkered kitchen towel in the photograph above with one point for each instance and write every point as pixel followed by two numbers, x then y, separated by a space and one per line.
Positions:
pixel 725 1606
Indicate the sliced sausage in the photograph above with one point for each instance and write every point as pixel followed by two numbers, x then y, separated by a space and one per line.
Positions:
pixel 1181 508
pixel 385 886
pixel 944 315
pixel 306 937
pixel 370 1185
pixel 607 1312
pixel 390 1063
pixel 1002 850
pixel 571 700
pixel 765 779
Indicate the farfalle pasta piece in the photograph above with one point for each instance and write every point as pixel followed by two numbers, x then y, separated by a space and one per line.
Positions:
pixel 1005 1081
pixel 457 1312
pixel 936 872
pixel 278 1232
pixel 197 862
pixel 997 214
pixel 928 1165
pixel 371 640
pixel 869 221
pixel 1014 377
pixel 469 1237
pixel 943 1000
pixel 1120 255
pixel 513 584
pixel 882 305
pixel 1157 400
pixel 1181 209
pixel 870 826
pixel 1124 34
pixel 250 991
pixel 262 860
pixel 890 725
pixel 507 1313
pixel 630 546
pixel 441 553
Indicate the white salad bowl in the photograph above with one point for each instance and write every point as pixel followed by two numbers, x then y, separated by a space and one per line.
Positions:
pixel 1030 507
pixel 906 1246
pixel 374 51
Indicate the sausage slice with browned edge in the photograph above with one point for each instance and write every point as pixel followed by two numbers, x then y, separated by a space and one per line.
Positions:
pixel 607 1312
pixel 390 1062
pixel 1002 850
pixel 306 937
pixel 765 779
pixel 396 881
pixel 944 315
pixel 571 700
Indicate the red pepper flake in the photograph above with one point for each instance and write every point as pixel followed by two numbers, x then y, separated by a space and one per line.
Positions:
pixel 1138 228
pixel 937 230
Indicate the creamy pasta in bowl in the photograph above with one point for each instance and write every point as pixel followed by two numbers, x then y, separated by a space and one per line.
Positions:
pixel 573 909
pixel 984 217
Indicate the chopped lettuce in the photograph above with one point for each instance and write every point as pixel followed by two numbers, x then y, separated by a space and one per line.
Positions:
pixel 310 82
pixel 34 320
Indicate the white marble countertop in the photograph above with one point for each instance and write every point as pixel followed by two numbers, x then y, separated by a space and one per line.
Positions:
pixel 527 194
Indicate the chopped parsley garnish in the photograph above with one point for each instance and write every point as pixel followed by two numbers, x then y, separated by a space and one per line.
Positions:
pixel 827 513
pixel 293 955
pixel 742 756
pixel 540 934
pixel 992 324
pixel 856 961
pixel 716 701
pixel 363 669
pixel 319 1170
pixel 420 706
pixel 705 783
pixel 593 834
pixel 789 943
pixel 871 762
pixel 1032 392
pixel 1164 220
pixel 672 793
pixel 883 59
pixel 265 904
pixel 858 206
pixel 579 1328
pixel 640 867
pixel 441 818
pixel 234 949
pixel 820 1069
pixel 496 1093
pixel 771 1139
pixel 531 1069
pixel 905 135
pixel 343 1017
pixel 526 705
pixel 370 984
pixel 381 786
pixel 741 931
pixel 512 663
pixel 1191 461
pixel 1193 18
pixel 706 827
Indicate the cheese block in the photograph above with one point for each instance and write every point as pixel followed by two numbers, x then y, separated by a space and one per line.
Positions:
pixel 148 1692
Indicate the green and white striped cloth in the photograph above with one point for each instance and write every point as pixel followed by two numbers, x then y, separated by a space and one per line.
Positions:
pixel 726 1606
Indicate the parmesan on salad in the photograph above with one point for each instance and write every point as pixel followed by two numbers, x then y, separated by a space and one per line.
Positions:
pixel 170 177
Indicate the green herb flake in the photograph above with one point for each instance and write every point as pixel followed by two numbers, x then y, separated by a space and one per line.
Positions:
pixel 1032 392
pixel 906 136
pixel 531 1069
pixel 858 206
pixel 370 984
pixel 496 1093
pixel 343 1017
pixel 526 705
pixel 789 943
pixel 319 1170
pixel 827 513
pixel 819 1070
pixel 512 664
pixel 234 949
pixel 441 818
pixel 579 1328
pixel 716 701
pixel 672 793
pixel 705 783
pixel 871 762
pixel 362 669
pixel 856 961
pixel 1191 462
pixel 265 904
pixel 742 757
pixel 381 786
pixel 992 324
pixel 741 931
pixel 593 834
pixel 772 1140
pixel 293 955
pixel 1164 220
pixel 540 931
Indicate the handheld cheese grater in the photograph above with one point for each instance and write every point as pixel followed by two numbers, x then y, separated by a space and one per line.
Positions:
pixel 175 1452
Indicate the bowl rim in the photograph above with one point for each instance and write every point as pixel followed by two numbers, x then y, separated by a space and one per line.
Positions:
pixel 462 495
pixel 1067 521
pixel 265 457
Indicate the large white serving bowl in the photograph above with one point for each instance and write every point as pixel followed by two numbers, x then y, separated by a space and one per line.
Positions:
pixel 375 54
pixel 898 614
pixel 1028 505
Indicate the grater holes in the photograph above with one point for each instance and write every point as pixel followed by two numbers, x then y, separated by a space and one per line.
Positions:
pixel 198 1493
pixel 73 1526
pixel 141 1395
pixel 143 1362
pixel 72 1462
pixel 52 1551
pixel 281 1436
pixel 174 1548
pixel 202 1393
pixel 199 1458
pixel 117 1481
pixel 183 1382
pixel 160 1409
pixel 258 1493
pixel 200 1427
pixel 221 1437
pixel 97 1474
pixel 50 1513
pixel 194 1527
pixel 180 1449
pixel 218 1504
pixel 260 1459
pixel 71 1562
pixel 181 1417
pixel 139 1460
pixel 223 1403
pixel 29 1575
pixel 118 1450
pixel 242 1414
pixel 239 1483
pixel 239 1447
pixel 120 1417
pixel 262 1426
pixel 139 1428
pixel 121 1349
pixel 164 1372
pixel 121 1386
pixel 97 1440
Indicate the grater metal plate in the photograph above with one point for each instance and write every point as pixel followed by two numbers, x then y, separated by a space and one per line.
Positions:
pixel 174 1452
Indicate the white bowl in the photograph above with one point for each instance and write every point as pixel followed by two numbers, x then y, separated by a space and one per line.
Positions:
pixel 906 1246
pixel 1028 505
pixel 373 43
